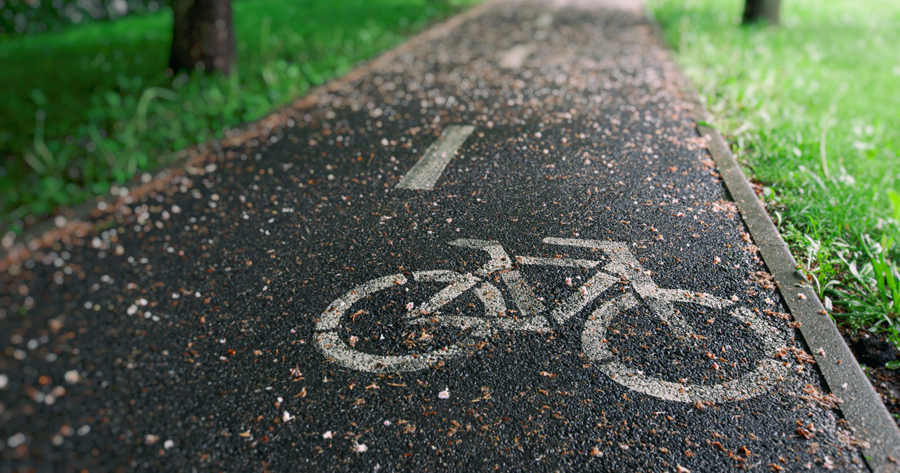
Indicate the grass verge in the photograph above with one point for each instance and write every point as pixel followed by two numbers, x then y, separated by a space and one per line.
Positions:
pixel 90 107
pixel 812 109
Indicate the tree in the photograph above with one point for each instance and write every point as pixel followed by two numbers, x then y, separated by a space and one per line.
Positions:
pixel 756 10
pixel 202 36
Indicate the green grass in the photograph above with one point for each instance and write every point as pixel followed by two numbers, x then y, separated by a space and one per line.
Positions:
pixel 90 106
pixel 812 109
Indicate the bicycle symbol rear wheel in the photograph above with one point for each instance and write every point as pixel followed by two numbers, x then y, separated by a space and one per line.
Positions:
pixel 336 348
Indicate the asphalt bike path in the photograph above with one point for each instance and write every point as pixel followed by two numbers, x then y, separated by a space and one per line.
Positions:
pixel 506 247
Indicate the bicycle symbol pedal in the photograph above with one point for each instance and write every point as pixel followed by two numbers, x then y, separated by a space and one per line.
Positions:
pixel 532 316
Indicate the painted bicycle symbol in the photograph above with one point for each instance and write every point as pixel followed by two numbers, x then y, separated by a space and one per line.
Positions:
pixel 622 267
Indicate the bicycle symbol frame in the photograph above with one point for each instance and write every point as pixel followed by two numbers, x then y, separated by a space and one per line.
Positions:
pixel 623 265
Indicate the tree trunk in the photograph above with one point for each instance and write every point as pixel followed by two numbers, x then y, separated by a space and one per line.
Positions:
pixel 756 10
pixel 202 36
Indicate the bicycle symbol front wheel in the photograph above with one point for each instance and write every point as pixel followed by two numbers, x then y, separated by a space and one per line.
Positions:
pixel 762 378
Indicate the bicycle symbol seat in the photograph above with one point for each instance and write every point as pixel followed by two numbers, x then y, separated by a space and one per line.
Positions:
pixel 622 268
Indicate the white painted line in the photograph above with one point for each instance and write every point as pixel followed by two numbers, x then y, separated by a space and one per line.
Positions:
pixel 544 21
pixel 561 262
pixel 331 318
pixel 595 286
pixel 767 373
pixel 516 56
pixel 459 283
pixel 428 170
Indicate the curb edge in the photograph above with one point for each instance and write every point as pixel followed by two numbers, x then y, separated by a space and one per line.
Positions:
pixel 81 217
pixel 860 404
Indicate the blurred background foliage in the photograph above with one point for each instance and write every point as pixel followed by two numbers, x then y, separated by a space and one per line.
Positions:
pixel 37 16
pixel 91 105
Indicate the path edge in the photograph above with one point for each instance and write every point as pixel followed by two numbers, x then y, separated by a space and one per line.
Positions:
pixel 861 405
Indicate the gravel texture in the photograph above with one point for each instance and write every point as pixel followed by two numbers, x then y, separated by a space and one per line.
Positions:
pixel 179 331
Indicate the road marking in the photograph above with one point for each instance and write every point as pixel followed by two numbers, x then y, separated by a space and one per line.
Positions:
pixel 428 170
pixel 660 300
pixel 766 374
pixel 561 262
pixel 598 284
pixel 332 315
pixel 544 21
pixel 494 316
pixel 516 56
pixel 459 283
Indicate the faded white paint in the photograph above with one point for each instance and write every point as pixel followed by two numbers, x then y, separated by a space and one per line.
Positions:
pixel 586 294
pixel 428 170
pixel 332 315
pixel 544 21
pixel 561 262
pixel 458 284
pixel 624 264
pixel 514 57
pixel 767 373
pixel 337 350
pixel 622 268
pixel 499 259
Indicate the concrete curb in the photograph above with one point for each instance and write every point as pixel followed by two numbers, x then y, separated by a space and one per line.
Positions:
pixel 861 405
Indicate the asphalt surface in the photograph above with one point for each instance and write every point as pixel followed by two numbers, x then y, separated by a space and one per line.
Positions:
pixel 185 332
